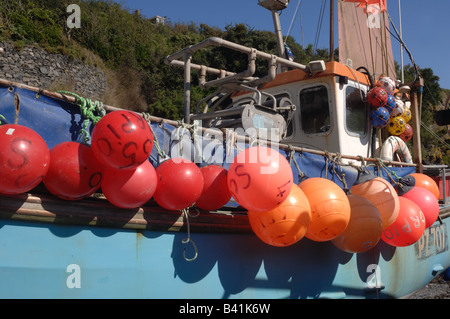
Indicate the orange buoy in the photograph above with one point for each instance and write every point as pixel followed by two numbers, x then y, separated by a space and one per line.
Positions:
pixel 407 228
pixel 364 228
pixel 381 193
pixel 285 224
pixel 424 181
pixel 260 178
pixel 330 208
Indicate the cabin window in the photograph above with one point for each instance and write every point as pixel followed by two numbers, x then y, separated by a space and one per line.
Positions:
pixel 355 111
pixel 315 110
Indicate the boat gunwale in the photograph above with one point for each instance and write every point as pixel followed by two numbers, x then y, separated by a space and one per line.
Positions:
pixel 93 211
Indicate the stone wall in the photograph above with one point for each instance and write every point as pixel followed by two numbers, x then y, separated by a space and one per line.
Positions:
pixel 36 67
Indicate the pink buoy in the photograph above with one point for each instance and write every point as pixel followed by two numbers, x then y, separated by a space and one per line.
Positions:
pixel 260 178
pixel 426 201
pixel 407 228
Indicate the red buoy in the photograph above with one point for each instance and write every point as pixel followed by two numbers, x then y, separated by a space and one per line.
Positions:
pixel 426 201
pixel 122 140
pixel 377 97
pixel 24 159
pixel 130 188
pixel 74 171
pixel 215 192
pixel 180 184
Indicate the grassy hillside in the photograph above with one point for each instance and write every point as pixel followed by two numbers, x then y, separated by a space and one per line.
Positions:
pixel 131 50
pixel 129 47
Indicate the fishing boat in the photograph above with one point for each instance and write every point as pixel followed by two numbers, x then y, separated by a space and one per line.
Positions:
pixel 315 116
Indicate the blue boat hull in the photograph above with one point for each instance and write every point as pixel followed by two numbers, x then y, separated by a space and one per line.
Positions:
pixel 58 261
pixel 88 249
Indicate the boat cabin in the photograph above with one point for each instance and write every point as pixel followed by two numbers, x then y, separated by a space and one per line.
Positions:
pixel 330 111
pixel 319 106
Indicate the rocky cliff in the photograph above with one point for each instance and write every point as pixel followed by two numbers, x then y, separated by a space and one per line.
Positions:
pixel 36 67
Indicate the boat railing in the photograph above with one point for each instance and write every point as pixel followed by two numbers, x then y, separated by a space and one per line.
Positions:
pixel 228 80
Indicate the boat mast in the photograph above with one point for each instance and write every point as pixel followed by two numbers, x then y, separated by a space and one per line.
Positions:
pixel 331 30
pixel 278 34
pixel 401 42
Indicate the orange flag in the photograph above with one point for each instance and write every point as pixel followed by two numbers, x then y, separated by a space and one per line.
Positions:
pixel 371 6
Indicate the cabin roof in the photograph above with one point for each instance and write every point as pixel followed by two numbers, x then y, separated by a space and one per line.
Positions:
pixel 332 69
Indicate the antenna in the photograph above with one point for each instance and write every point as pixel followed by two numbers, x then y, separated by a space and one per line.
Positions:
pixel 274 4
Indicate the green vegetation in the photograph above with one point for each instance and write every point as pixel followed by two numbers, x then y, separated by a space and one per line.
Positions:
pixel 131 46
pixel 131 49
pixel 435 139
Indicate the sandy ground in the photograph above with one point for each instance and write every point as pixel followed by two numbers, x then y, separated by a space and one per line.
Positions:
pixel 436 289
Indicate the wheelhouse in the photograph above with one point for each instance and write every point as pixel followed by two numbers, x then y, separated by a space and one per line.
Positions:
pixel 330 111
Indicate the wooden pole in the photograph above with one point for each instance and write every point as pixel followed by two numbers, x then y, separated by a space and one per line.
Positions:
pixel 415 116
pixel 331 30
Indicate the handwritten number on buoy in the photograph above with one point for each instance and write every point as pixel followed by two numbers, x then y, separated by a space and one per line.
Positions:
pixel 242 174
pixel 18 149
pixel 140 121
pixel 128 127
pixel 113 131
pixel 234 184
pixel 129 150
pixel 132 155
pixel 282 189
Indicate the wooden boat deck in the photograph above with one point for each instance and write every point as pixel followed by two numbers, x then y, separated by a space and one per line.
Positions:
pixel 97 211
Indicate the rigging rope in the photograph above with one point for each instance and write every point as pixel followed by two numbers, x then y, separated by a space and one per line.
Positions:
pixel 319 26
pixel 292 21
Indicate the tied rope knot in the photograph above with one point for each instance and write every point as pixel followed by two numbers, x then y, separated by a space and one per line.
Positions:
pixel 159 149
pixel 390 173
pixel 87 110
pixel 195 136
